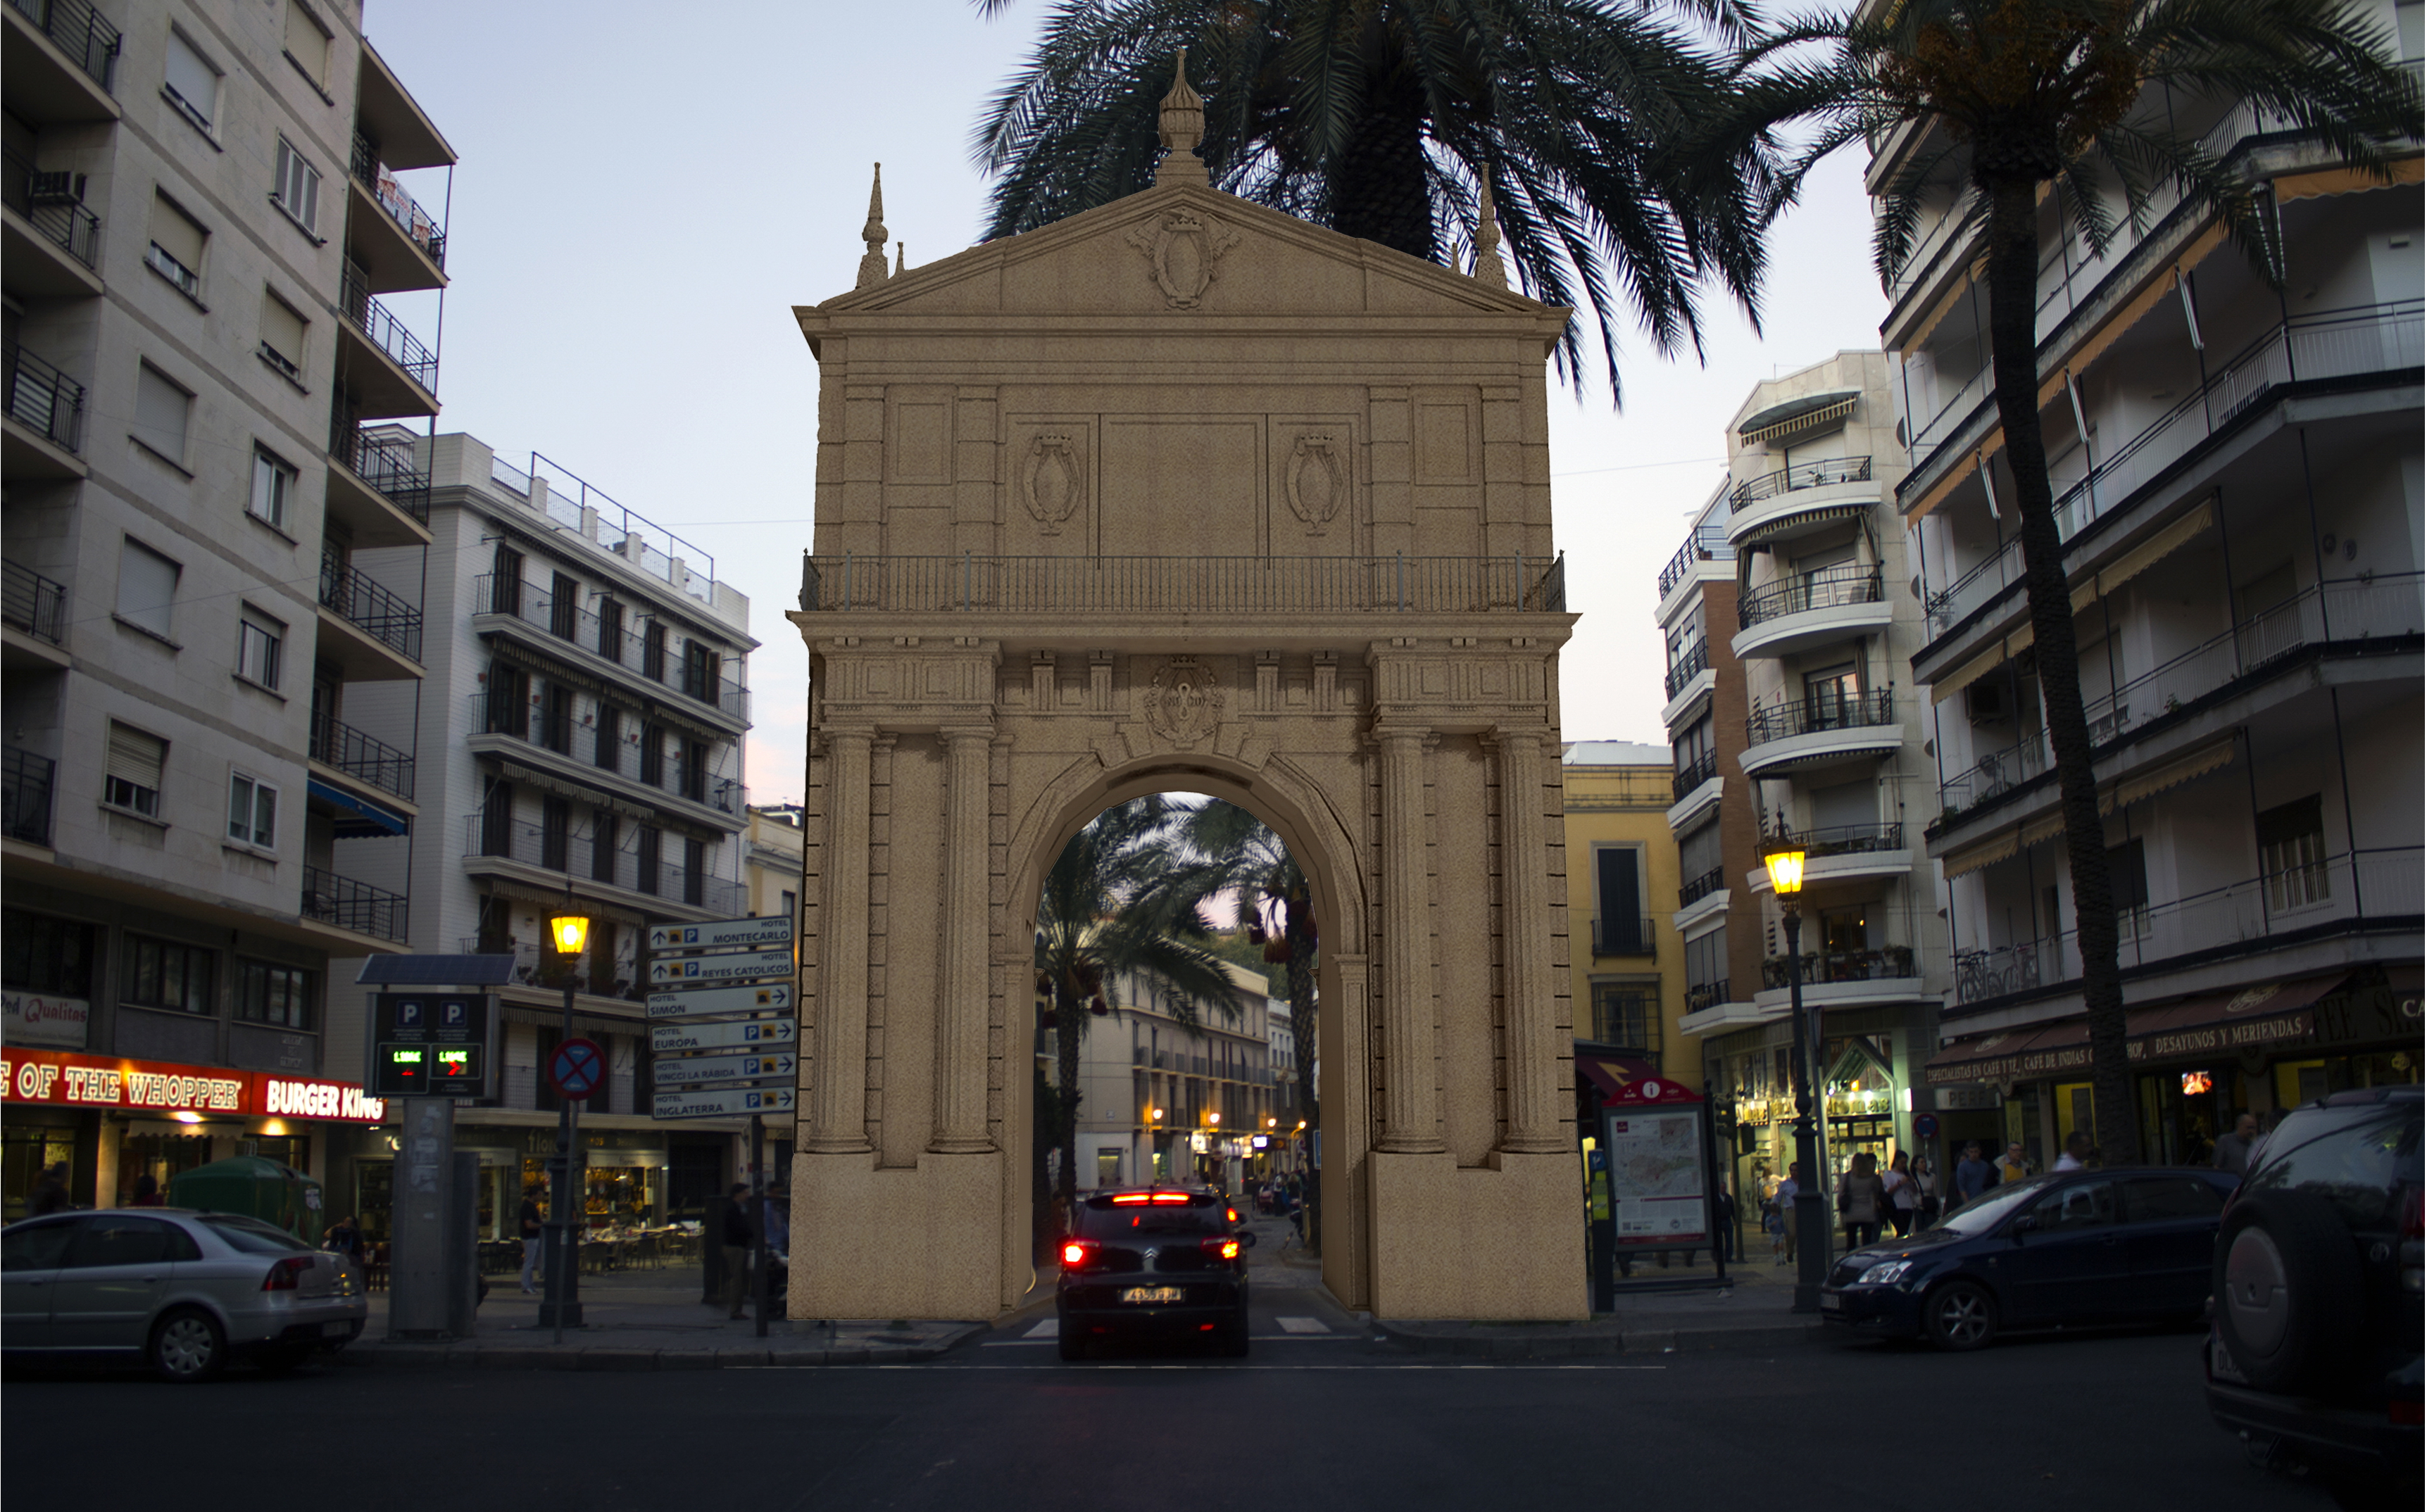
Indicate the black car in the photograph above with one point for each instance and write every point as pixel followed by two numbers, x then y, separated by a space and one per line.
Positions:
pixel 2072 1247
pixel 1156 1262
pixel 2313 1353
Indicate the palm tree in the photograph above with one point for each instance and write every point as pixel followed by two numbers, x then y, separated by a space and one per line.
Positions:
pixel 1250 860
pixel 1121 901
pixel 1383 119
pixel 2011 97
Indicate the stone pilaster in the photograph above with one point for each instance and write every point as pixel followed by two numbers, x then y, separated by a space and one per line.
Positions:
pixel 1527 989
pixel 1412 1093
pixel 839 1105
pixel 961 1018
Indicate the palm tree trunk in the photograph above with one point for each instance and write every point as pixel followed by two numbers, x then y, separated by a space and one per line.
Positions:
pixel 2014 266
pixel 1066 1029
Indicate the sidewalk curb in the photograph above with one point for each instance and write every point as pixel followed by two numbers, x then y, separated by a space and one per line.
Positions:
pixel 603 1357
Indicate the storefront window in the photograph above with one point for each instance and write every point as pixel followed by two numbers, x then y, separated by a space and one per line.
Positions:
pixel 293 1150
pixel 374 1197
pixel 29 1153
pixel 161 1156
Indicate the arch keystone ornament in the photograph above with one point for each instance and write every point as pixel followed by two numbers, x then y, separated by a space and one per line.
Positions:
pixel 1218 566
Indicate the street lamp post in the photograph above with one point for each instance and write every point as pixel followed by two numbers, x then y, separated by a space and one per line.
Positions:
pixel 1811 1209
pixel 560 1307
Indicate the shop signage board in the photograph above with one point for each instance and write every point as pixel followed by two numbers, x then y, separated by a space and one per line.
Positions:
pixel 45 1018
pixel 667 1040
pixel 723 1102
pixel 71 1080
pixel 672 971
pixel 721 935
pixel 698 1071
pixel 706 1002
pixel 1659 1168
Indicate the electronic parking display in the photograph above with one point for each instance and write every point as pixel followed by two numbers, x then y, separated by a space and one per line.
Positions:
pixel 432 1044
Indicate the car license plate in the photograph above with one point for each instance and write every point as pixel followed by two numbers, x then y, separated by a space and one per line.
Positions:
pixel 2220 1365
pixel 1152 1294
pixel 1830 1303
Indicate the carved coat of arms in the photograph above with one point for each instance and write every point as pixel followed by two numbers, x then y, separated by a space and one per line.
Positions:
pixel 1184 246
pixel 1054 480
pixel 1184 703
pixel 1318 480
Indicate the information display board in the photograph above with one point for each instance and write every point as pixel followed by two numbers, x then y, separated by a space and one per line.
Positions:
pixel 1659 1168
pixel 433 1044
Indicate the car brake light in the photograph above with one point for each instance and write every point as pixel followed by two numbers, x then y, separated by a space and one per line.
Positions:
pixel 1170 1196
pixel 1129 1199
pixel 1074 1253
pixel 1222 1249
pixel 284 1276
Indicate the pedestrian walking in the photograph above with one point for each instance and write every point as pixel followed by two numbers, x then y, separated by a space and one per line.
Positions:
pixel 533 1235
pixel 2078 1153
pixel 1898 1179
pixel 1862 1200
pixel 2233 1150
pixel 1972 1176
pixel 1730 1239
pixel 738 1233
pixel 2015 1166
pixel 147 1192
pixel 1925 1192
pixel 345 1240
pixel 1781 1206
pixel 50 1194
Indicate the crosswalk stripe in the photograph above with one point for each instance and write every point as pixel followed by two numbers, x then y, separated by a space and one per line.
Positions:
pixel 1049 1329
pixel 1304 1326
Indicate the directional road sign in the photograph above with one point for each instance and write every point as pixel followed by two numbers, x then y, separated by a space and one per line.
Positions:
pixel 704 1002
pixel 723 1102
pixel 721 935
pixel 577 1068
pixel 702 1070
pixel 773 1033
pixel 677 969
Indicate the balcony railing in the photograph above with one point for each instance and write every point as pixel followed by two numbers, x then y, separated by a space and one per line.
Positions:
pixel 1437 585
pixel 363 757
pixel 370 608
pixel 522 601
pixel 25 805
pixel 1810 716
pixel 1802 475
pixel 2336 891
pixel 1845 839
pixel 1623 936
pixel 2343 611
pixel 574 852
pixel 1693 774
pixel 355 905
pixel 386 463
pixel 503 712
pixel 1697 889
pixel 41 397
pixel 1707 543
pixel 1829 588
pixel 537 968
pixel 35 605
pixel 410 217
pixel 1887 964
pixel 1702 995
pixel 78 31
pixel 384 330
pixel 1696 661
pixel 49 203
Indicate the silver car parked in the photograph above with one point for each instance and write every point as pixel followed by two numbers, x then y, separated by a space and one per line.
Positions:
pixel 184 1289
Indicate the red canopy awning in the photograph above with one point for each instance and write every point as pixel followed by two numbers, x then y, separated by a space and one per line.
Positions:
pixel 1611 1074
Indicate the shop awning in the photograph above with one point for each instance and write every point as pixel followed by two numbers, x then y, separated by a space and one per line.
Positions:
pixel 1611 1074
pixel 2190 1029
pixel 358 818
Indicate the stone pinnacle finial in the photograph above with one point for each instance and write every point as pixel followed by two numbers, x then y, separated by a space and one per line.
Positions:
pixel 1182 128
pixel 871 262
pixel 901 257
pixel 1487 267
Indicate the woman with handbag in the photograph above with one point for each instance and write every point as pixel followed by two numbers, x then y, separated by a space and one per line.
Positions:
pixel 1925 1193
pixel 1862 1197
pixel 1897 1178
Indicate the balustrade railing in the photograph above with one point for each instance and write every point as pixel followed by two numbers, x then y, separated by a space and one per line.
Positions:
pixel 1888 963
pixel 35 604
pixel 1829 588
pixel 41 397
pixel 386 464
pixel 1697 888
pixel 384 330
pixel 574 851
pixel 363 757
pixel 1693 663
pixel 581 742
pixel 26 804
pixel 1821 474
pixel 1708 543
pixel 1846 839
pixel 1626 935
pixel 410 217
pixel 1809 716
pixel 1456 585
pixel 78 31
pixel 1702 995
pixel 1695 772
pixel 582 628
pixel 371 608
pixel 48 201
pixel 330 899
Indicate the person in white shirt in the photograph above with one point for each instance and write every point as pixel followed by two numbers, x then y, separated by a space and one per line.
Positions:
pixel 2077 1154
pixel 1782 1202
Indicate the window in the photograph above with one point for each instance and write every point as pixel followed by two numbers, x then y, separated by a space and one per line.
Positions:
pixel 610 631
pixel 556 723
pixel 2164 1199
pixel 282 337
pixel 2292 854
pixel 1695 747
pixel 497 818
pixel 113 1238
pixel 298 190
pixel 39 953
pixel 164 974
pixel 253 811
pixel 2128 874
pixel 694 871
pixel 307 44
pixel 147 587
pixel 1627 1015
pixel 653 756
pixel 694 771
pixel 602 846
pixel 1624 927
pixel 268 993
pixel 258 642
pixel 274 489
pixel 160 411
pixel 555 833
pixel 191 84
pixel 653 652
pixel 1698 860
pixel 1706 969
pixel 507 704
pixel 506 581
pixel 176 250
pixel 792 907
pixel 699 671
pixel 2090 1205
pixel 132 778
pixel 1832 697
pixel 563 607
pixel 646 858
pixel 608 752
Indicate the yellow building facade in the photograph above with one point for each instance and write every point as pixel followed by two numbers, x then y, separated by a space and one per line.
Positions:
pixel 1626 958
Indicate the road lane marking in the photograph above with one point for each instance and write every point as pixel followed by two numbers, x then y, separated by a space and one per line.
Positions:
pixel 1304 1326
pixel 1049 1329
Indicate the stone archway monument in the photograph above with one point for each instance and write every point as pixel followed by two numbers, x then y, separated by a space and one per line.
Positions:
pixel 1183 494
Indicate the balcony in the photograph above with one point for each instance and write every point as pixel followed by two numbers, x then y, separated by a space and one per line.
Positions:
pixel 348 751
pixel 61 61
pixel 546 969
pixel 50 243
pixel 357 906
pixel 576 635
pixel 1623 936
pixel 45 410
pixel 568 858
pixel 2352 892
pixel 1811 608
pixel 576 745
pixel 1693 774
pixel 1707 542
pixel 391 240
pixel 1682 672
pixel 26 803
pixel 1844 979
pixel 1702 996
pixel 383 643
pixel 1697 888
pixel 373 479
pixel 1125 586
pixel 391 372
pixel 35 604
pixel 1793 501
pixel 1843 853
pixel 1810 731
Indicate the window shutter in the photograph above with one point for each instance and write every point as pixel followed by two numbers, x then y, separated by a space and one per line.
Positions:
pixel 309 205
pixel 282 327
pixel 160 409
pixel 1622 890
pixel 1698 854
pixel 308 40
pixel 136 757
pixel 177 234
pixel 147 587
pixel 196 82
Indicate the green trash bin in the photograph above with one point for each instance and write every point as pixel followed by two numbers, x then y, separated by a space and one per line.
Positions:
pixel 258 1188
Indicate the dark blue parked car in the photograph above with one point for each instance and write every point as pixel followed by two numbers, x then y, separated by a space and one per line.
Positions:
pixel 2115 1245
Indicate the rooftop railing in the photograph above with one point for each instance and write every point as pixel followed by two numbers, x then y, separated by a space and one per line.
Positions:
pixel 361 758
pixel 1821 474
pixel 410 217
pixel 355 905
pixel 385 331
pixel 1828 588
pixel 26 796
pixel 1453 585
pixel 35 604
pixel 78 31
pixel 41 397
pixel 1708 543
pixel 48 201
pixel 371 608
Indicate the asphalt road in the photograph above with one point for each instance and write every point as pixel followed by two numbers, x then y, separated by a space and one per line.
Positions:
pixel 1329 1420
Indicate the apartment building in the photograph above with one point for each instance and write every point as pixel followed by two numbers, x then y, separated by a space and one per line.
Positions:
pixel 1626 960
pixel 2238 483
pixel 770 859
pixel 1163 1100
pixel 583 719
pixel 201 208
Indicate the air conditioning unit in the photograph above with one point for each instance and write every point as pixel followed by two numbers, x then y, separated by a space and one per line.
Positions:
pixel 55 187
pixel 1986 703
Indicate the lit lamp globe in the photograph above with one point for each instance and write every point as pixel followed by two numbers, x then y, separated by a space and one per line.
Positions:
pixel 1785 872
pixel 570 932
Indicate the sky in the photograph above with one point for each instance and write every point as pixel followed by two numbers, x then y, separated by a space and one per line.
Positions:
pixel 643 193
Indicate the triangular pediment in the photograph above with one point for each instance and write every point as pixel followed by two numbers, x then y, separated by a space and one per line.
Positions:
pixel 1188 252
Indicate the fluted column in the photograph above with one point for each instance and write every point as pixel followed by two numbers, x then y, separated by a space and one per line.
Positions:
pixel 961 1016
pixel 1411 1094
pixel 838 1096
pixel 1525 929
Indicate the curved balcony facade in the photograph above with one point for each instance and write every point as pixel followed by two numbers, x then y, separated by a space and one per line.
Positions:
pixel 1793 502
pixel 1811 608
pixel 1844 853
pixel 1811 731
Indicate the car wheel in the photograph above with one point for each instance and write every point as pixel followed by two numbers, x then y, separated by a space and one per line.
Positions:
pixel 283 1358
pixel 189 1347
pixel 1961 1315
pixel 2287 1292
